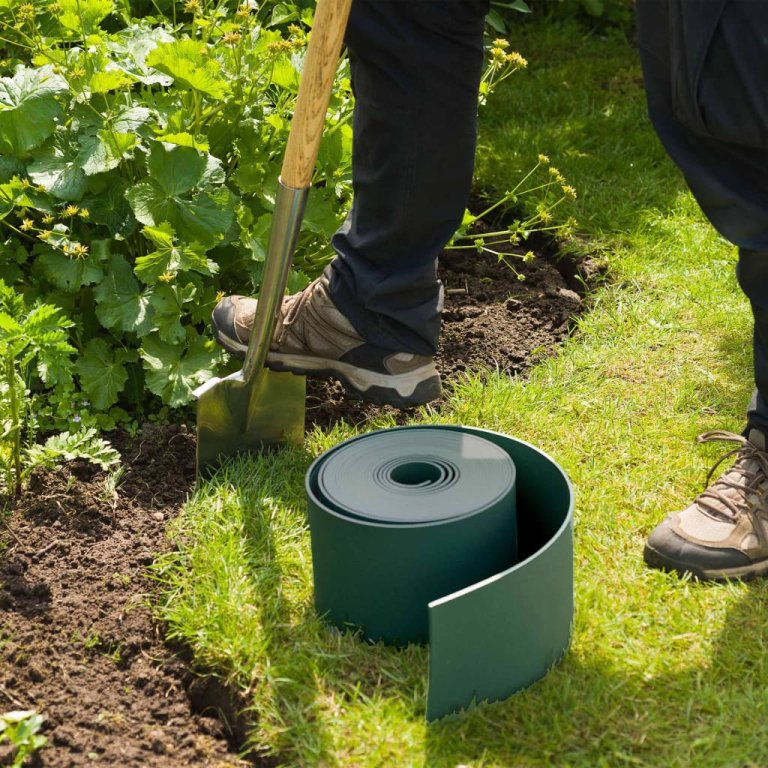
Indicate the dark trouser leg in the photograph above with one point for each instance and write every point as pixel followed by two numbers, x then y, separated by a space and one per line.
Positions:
pixel 416 67
pixel 752 271
pixel 706 73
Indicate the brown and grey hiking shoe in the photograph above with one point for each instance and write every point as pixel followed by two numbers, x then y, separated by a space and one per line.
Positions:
pixel 313 338
pixel 724 533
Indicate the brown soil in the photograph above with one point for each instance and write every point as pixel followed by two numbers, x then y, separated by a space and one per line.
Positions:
pixel 77 639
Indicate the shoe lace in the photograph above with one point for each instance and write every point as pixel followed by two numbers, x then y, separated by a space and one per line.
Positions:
pixel 297 301
pixel 747 476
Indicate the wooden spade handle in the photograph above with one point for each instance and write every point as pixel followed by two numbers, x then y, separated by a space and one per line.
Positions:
pixel 320 65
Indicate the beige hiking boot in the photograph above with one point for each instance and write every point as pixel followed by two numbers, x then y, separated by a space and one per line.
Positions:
pixel 312 337
pixel 724 533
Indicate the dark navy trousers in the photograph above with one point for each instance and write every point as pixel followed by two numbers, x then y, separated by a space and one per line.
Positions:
pixel 705 64
pixel 416 67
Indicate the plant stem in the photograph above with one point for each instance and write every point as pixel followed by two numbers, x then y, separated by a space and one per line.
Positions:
pixel 10 377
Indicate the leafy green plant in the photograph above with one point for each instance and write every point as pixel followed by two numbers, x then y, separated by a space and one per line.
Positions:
pixel 139 147
pixel 85 444
pixel 533 201
pixel 22 729
pixel 138 159
pixel 32 342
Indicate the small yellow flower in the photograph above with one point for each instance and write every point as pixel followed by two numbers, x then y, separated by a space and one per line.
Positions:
pixel 70 210
pixel 80 251
pixel 529 257
pixel 84 213
pixel 231 38
pixel 48 219
pixel 40 188
pixel 279 46
pixel 192 6
pixel 77 72
pixel 545 217
pixel 516 59
pixel 219 296
pixel 27 224
pixel 45 234
pixel 556 175
pixel 569 191
pixel 544 159
pixel 166 277
pixel 500 42
pixel 26 12
pixel 243 11
pixel 26 183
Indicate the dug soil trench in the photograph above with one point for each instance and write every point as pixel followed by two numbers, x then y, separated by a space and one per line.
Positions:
pixel 77 639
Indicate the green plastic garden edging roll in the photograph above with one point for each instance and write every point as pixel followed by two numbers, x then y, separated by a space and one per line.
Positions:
pixel 457 536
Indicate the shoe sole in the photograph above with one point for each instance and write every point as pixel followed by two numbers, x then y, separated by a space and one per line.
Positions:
pixel 656 559
pixel 405 390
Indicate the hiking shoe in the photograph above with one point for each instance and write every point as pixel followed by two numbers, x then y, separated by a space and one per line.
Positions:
pixel 724 533
pixel 312 337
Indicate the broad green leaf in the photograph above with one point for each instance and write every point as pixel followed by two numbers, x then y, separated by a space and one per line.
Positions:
pixel 28 108
pixel 175 169
pixel 323 214
pixel 18 194
pixel 8 194
pixel 186 140
pixel 70 274
pixel 257 238
pixel 190 65
pixel 517 5
pixel 297 281
pixel 83 16
pixel 170 257
pixel 129 120
pixel 102 373
pixel 285 74
pixel 167 311
pixel 57 168
pixel 107 205
pixel 282 13
pixel 120 303
pixel 101 249
pixel 335 152
pixel 9 167
pixel 11 273
pixel 109 80
pixel 213 173
pixel 205 218
pixel 132 45
pixel 102 152
pixel 174 371
pixel 496 22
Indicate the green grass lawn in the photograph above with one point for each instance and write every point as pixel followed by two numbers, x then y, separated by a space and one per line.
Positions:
pixel 661 671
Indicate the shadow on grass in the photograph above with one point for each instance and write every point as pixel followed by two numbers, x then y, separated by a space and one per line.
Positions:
pixel 309 670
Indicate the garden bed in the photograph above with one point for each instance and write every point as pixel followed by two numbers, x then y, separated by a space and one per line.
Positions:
pixel 77 638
